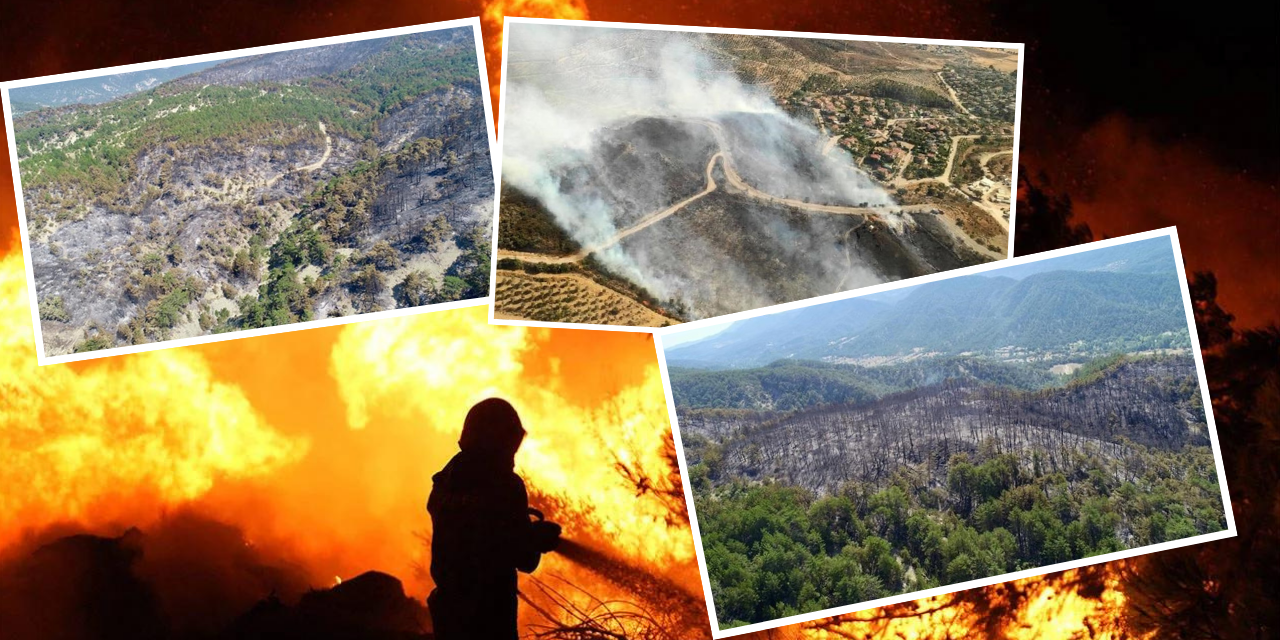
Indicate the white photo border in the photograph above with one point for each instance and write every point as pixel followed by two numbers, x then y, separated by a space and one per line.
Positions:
pixel 6 87
pixel 1170 232
pixel 502 119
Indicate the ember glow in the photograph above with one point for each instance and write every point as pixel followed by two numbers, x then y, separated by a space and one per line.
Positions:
pixel 291 456
pixel 1072 605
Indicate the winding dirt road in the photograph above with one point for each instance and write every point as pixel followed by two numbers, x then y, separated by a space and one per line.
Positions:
pixel 328 150
pixel 945 178
pixel 643 223
pixel 734 180
pixel 987 157
pixel 826 148
pixel 997 210
pixel 954 98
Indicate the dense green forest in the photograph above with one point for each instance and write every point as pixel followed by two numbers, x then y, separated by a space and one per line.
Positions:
pixel 818 485
pixel 903 92
pixel 774 550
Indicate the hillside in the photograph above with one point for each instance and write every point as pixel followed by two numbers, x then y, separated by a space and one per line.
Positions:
pixel 718 173
pixel 789 385
pixel 1059 309
pixel 262 191
pixel 945 482
pixel 96 90
pixel 953 430
pixel 735 343
pixel 1151 401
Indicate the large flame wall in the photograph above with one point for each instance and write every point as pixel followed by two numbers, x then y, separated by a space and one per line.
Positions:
pixel 113 442
pixel 323 442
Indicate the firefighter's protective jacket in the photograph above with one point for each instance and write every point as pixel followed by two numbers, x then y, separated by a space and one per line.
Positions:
pixel 481 532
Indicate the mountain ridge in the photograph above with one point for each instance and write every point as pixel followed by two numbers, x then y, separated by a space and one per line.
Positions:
pixel 1109 299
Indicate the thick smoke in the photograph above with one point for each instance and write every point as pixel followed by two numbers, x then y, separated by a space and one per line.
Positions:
pixel 607 126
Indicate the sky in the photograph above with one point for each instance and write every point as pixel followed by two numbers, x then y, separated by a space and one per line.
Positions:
pixel 693 335
pixel 36 93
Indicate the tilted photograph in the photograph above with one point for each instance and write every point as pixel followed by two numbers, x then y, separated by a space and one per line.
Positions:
pixel 963 429
pixel 653 176
pixel 308 182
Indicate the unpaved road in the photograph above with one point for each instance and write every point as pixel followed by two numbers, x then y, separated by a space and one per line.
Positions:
pixel 951 160
pixel 889 122
pixel 830 145
pixel 998 211
pixel 986 158
pixel 945 178
pixel 643 223
pixel 954 98
pixel 328 150
pixel 736 181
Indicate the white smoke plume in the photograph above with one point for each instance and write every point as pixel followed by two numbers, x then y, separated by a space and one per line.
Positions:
pixel 577 98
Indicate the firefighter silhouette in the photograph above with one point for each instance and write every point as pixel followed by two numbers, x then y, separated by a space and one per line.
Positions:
pixel 482 531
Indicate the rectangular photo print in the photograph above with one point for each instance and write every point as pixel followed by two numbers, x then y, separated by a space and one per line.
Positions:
pixel 919 439
pixel 255 191
pixel 653 175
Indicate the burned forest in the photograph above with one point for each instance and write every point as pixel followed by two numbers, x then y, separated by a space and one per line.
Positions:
pixel 261 191
pixel 1000 445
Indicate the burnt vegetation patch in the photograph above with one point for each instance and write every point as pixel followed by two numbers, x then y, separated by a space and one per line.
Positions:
pixel 887 492
pixel 262 191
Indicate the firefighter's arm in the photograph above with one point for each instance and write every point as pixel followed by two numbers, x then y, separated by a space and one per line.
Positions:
pixel 538 536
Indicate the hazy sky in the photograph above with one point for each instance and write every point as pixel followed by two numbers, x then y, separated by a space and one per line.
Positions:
pixel 671 340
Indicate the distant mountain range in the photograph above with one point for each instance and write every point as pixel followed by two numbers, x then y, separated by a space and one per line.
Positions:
pixel 283 66
pixel 97 90
pixel 1116 298
pixel 296 64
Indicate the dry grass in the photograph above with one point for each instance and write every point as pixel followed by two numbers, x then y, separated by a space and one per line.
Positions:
pixel 979 225
pixel 1005 60
pixel 568 297
pixel 572 613
pixel 1001 165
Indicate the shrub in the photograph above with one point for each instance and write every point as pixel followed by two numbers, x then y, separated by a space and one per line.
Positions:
pixel 384 257
pixel 415 290
pixel 54 309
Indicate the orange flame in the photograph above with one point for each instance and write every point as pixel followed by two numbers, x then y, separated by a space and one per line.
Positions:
pixel 1053 607
pixel 427 371
pixel 320 445
pixel 491 20
pixel 76 442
